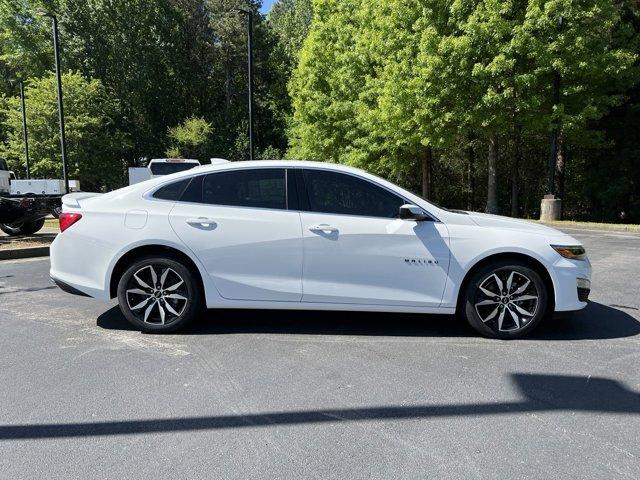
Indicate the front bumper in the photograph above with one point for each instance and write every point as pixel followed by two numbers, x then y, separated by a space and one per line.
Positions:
pixel 572 284
pixel 583 294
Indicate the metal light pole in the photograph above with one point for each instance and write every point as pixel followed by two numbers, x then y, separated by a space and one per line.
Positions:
pixel 553 137
pixel 63 146
pixel 24 127
pixel 249 15
pixel 550 206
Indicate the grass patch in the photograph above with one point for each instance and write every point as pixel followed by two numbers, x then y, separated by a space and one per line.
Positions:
pixel 620 227
pixel 51 223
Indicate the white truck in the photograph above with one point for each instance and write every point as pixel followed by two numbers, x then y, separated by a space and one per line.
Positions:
pixel 160 166
pixel 5 177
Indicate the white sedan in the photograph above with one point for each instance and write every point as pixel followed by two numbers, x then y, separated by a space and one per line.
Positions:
pixel 305 235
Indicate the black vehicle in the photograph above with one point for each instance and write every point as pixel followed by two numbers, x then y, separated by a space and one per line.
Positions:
pixel 24 214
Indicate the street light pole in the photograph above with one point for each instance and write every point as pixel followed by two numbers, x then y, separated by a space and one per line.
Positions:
pixel 63 143
pixel 24 128
pixel 553 137
pixel 551 207
pixel 249 15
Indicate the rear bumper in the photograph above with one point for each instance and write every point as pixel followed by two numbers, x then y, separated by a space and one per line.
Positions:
pixel 78 263
pixel 65 287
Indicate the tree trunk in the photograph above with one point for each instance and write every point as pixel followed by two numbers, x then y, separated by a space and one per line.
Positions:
pixel 471 180
pixel 515 177
pixel 492 176
pixel 227 87
pixel 426 161
pixel 560 165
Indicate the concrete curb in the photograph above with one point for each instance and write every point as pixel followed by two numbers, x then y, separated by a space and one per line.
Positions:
pixel 29 252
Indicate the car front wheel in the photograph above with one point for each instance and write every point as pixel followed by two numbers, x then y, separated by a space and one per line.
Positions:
pixel 159 295
pixel 506 299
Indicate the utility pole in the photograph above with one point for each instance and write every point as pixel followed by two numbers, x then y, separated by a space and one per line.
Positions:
pixel 24 128
pixel 553 137
pixel 249 15
pixel 63 145
pixel 551 207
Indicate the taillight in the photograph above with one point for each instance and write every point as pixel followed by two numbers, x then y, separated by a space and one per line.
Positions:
pixel 67 219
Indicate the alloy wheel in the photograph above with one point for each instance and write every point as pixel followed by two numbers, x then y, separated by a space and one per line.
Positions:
pixel 507 300
pixel 156 294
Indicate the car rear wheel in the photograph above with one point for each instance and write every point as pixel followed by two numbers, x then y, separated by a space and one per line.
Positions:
pixel 506 299
pixel 159 295
pixel 23 228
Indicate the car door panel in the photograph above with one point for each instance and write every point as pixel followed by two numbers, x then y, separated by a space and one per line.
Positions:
pixel 250 253
pixel 382 261
pixel 357 250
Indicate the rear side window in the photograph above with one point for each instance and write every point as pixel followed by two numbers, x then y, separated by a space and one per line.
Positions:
pixel 171 191
pixel 339 193
pixel 260 188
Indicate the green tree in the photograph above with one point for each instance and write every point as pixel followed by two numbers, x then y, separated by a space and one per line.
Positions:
pixel 191 139
pixel 325 85
pixel 92 141
pixel 384 85
pixel 290 20
pixel 163 60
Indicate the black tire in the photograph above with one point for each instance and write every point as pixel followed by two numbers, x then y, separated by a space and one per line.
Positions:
pixel 162 303
pixel 56 211
pixel 24 228
pixel 502 316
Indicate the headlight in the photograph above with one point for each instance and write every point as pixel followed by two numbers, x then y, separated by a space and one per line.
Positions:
pixel 574 252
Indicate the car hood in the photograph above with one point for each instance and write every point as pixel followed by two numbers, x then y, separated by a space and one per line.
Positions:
pixel 497 221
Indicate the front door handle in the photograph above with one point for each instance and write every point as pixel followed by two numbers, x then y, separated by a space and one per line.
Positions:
pixel 204 221
pixel 323 228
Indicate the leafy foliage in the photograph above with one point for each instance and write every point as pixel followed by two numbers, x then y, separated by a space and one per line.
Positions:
pixel 450 98
pixel 93 142
pixel 190 139
pixel 402 87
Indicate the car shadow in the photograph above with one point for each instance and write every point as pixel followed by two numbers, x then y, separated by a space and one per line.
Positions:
pixel 538 393
pixel 596 321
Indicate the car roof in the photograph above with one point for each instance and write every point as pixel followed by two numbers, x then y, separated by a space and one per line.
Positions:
pixel 239 165
pixel 150 185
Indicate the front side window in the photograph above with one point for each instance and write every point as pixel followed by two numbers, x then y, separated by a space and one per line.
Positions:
pixel 339 193
pixel 260 188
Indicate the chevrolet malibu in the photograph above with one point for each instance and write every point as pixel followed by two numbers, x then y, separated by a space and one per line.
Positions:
pixel 305 235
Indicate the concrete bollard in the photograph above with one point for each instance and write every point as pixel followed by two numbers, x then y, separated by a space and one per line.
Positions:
pixel 550 209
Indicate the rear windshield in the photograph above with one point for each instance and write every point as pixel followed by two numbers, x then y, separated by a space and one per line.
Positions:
pixel 168 168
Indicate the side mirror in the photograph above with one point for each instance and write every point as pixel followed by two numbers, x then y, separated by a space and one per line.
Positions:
pixel 413 212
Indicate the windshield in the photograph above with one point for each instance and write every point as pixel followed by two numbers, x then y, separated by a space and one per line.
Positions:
pixel 162 168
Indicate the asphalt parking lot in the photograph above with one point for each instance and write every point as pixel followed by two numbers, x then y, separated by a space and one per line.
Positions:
pixel 256 394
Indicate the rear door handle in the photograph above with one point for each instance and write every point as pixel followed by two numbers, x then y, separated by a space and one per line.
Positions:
pixel 323 228
pixel 204 221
